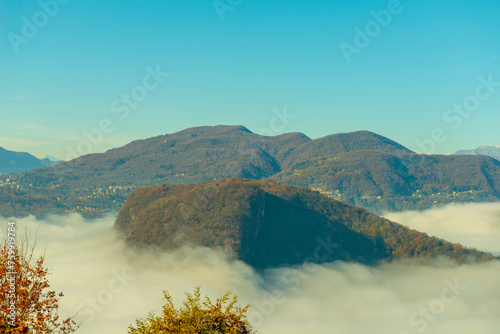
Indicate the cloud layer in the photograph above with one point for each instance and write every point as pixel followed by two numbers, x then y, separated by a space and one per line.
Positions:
pixel 113 286
pixel 472 225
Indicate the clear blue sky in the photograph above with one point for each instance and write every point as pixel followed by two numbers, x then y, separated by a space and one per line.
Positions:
pixel 63 79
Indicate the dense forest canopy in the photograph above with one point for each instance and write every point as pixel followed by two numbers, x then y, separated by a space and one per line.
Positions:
pixel 269 224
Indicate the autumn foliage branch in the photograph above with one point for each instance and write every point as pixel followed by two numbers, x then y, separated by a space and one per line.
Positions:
pixel 27 305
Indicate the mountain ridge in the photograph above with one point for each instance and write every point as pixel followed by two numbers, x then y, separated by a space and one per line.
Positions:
pixel 491 151
pixel 359 168
pixel 19 162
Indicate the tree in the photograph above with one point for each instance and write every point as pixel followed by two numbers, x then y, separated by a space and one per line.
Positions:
pixel 26 304
pixel 196 317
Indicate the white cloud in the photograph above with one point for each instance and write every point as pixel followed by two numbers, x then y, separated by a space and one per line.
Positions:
pixel 474 225
pixel 86 258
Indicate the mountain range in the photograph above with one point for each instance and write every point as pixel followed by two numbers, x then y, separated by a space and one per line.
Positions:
pixel 268 224
pixel 491 151
pixel 360 168
pixel 19 162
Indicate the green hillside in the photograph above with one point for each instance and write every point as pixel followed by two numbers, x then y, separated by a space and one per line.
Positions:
pixel 268 224
pixel 383 181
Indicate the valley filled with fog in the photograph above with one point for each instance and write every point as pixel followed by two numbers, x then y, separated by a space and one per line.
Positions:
pixel 109 286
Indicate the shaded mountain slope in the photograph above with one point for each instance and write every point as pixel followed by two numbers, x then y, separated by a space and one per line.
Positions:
pixel 18 162
pixel 268 224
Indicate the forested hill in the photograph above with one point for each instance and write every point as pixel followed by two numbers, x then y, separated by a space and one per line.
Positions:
pixel 339 144
pixel 268 224
pixel 382 181
pixel 204 153
pixel 360 168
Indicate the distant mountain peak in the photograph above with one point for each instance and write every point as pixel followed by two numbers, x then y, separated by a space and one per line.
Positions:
pixel 17 162
pixel 50 158
pixel 491 151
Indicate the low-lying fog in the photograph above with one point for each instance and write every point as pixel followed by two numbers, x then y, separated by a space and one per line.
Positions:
pixel 113 287
pixel 472 225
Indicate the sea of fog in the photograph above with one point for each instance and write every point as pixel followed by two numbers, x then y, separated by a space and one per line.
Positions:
pixel 111 286
pixel 472 225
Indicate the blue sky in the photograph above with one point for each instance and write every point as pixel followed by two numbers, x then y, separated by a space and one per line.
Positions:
pixel 237 61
